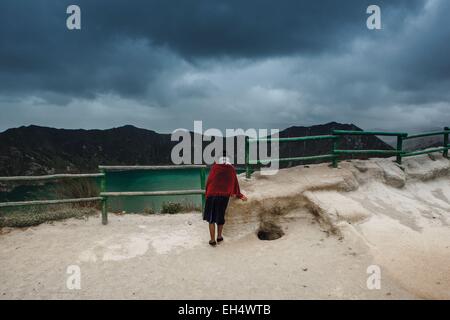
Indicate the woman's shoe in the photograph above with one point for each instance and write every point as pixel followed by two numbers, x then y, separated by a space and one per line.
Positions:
pixel 220 239
pixel 212 243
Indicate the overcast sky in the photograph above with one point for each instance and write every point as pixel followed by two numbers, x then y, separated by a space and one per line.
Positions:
pixel 233 64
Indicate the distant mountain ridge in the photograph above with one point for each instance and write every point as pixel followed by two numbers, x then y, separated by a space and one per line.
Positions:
pixel 34 150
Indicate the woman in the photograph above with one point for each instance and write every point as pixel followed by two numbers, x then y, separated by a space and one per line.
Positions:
pixel 221 184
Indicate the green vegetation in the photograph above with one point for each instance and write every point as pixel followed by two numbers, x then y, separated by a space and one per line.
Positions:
pixel 175 207
pixel 78 188
pixel 27 216
pixel 31 216
pixel 148 211
pixel 66 189
pixel 171 207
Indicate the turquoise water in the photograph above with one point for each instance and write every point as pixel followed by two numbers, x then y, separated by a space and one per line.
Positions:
pixel 160 180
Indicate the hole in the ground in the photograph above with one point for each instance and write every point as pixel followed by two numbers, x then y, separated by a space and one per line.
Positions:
pixel 269 231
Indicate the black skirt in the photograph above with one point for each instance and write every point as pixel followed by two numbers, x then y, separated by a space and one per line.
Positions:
pixel 215 207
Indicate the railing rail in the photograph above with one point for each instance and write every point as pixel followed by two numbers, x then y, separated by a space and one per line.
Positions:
pixel 147 168
pixel 151 193
pixel 320 157
pixel 291 139
pixel 51 177
pixel 46 202
pixel 336 151
pixel 367 151
pixel 427 134
pixel 427 151
pixel 367 133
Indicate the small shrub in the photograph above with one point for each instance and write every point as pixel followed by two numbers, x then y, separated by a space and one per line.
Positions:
pixel 148 211
pixel 171 207
pixel 36 215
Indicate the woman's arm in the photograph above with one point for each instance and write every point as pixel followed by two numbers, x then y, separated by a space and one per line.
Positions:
pixel 236 189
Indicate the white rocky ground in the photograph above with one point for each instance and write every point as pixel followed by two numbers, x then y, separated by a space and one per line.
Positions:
pixel 337 222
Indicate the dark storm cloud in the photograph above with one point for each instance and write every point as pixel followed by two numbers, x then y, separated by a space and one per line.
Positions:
pixel 311 61
pixel 204 28
pixel 122 44
pixel 424 59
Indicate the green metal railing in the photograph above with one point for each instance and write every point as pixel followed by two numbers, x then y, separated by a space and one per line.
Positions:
pixel 398 151
pixel 46 178
pixel 443 149
pixel 105 195
pixel 249 162
pixel 335 153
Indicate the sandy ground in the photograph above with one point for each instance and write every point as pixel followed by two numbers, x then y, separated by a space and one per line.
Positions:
pixel 337 223
pixel 167 257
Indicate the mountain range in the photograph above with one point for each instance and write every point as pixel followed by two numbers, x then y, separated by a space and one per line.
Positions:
pixel 34 150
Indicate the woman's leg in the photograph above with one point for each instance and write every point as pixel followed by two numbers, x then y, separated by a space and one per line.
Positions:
pixel 224 205
pixel 219 231
pixel 212 231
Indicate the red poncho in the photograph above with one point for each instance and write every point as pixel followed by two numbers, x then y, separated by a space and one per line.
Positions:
pixel 222 181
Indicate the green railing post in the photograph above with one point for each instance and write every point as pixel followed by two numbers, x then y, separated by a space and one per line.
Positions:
pixel 399 148
pixel 445 153
pixel 247 160
pixel 104 199
pixel 202 186
pixel 335 155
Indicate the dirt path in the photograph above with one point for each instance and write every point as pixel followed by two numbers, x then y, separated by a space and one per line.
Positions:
pixel 167 257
